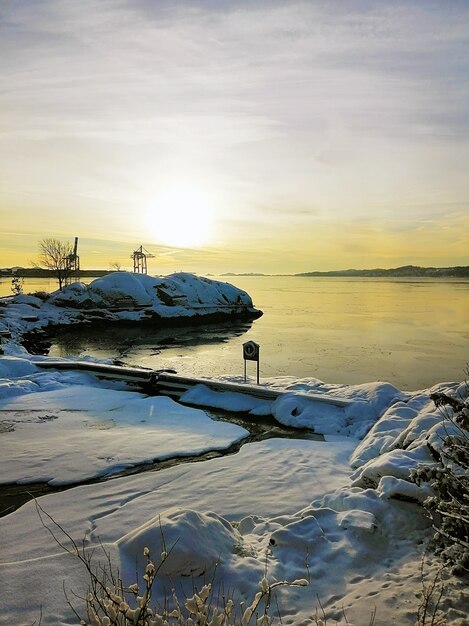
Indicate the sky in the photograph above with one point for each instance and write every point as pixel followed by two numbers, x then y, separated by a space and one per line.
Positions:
pixel 242 136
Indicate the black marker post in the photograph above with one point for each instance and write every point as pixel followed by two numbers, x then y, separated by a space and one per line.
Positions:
pixel 251 351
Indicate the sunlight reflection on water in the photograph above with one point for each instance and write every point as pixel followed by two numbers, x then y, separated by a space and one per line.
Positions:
pixel 410 332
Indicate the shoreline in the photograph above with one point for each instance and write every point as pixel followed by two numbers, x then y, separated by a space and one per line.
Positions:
pixel 276 492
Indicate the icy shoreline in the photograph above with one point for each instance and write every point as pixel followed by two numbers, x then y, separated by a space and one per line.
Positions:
pixel 343 512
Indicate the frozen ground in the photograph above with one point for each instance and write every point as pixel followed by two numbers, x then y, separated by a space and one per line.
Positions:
pixel 342 513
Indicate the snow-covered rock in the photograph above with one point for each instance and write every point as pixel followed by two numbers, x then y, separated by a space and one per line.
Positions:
pixel 397 463
pixel 124 296
pixel 186 293
pixel 391 487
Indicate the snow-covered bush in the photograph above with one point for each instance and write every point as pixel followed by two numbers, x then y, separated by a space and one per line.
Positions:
pixel 109 603
pixel 17 285
pixel 449 480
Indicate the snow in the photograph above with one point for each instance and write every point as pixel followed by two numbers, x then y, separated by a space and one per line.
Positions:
pixel 343 513
pixel 406 435
pixel 14 367
pixel 391 487
pixel 82 432
pixel 299 407
pixel 177 528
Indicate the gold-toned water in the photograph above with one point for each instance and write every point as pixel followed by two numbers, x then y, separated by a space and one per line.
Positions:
pixel 410 332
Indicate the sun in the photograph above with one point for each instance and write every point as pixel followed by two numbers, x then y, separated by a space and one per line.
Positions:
pixel 182 217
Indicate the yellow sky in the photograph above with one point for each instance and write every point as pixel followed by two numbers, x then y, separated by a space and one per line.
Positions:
pixel 255 136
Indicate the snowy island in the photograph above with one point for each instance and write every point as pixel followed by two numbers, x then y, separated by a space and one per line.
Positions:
pixel 341 518
pixel 180 298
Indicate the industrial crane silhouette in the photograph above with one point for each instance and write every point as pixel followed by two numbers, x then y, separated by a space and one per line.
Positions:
pixel 72 264
pixel 140 260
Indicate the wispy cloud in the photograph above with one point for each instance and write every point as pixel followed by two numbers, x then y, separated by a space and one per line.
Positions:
pixel 288 112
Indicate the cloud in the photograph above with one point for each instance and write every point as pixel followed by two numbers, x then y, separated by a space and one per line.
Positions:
pixel 144 70
pixel 289 113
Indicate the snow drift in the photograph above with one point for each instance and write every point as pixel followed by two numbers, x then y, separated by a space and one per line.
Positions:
pixel 283 507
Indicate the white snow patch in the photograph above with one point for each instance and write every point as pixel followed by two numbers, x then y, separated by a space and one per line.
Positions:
pixel 82 432
pixel 196 542
pixel 14 367
pixel 298 407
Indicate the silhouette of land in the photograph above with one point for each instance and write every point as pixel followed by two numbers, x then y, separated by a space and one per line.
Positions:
pixel 37 272
pixel 459 271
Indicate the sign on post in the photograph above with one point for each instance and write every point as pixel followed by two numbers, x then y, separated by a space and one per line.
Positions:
pixel 251 353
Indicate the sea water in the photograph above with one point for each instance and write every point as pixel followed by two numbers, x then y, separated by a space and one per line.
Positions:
pixel 412 333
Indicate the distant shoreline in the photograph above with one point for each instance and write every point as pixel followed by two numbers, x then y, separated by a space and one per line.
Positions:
pixel 406 271
pixel 33 272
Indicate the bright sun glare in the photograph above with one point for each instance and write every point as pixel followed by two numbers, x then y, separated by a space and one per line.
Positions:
pixel 182 217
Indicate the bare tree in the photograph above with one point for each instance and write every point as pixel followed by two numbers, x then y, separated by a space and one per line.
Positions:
pixel 115 266
pixel 55 256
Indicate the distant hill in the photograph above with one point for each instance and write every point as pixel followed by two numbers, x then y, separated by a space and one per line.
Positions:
pixel 461 271
pixel 244 274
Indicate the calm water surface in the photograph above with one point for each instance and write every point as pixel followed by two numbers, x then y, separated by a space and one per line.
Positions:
pixel 30 285
pixel 410 332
